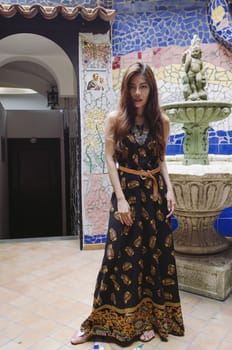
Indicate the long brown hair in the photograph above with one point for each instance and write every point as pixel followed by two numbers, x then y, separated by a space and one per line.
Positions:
pixel 127 112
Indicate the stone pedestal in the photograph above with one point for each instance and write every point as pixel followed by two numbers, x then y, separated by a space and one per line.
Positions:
pixel 206 275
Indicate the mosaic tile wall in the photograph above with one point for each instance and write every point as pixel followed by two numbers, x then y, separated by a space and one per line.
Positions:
pixel 96 96
pixel 160 38
pixel 158 32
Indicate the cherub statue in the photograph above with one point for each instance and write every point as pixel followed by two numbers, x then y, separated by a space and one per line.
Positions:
pixel 194 80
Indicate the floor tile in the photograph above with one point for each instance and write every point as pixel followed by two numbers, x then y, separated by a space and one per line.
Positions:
pixel 46 292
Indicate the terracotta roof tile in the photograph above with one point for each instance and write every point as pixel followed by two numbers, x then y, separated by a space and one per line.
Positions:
pixel 50 12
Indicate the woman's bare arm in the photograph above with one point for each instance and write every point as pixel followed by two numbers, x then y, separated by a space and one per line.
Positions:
pixel 163 166
pixel 123 206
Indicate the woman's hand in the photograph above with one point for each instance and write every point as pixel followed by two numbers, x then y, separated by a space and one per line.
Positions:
pixel 124 212
pixel 171 203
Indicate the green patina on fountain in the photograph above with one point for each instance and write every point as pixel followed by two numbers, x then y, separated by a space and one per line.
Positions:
pixel 196 112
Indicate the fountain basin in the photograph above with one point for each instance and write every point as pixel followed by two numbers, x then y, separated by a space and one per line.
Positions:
pixel 202 192
pixel 196 116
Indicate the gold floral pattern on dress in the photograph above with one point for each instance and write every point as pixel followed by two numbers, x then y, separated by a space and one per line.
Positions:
pixel 142 152
pixel 110 251
pixel 112 234
pixel 148 292
pixel 126 279
pixel 129 251
pixel 144 213
pixel 148 183
pixel 138 242
pixel 134 292
pixel 113 298
pixel 115 283
pixel 140 292
pixel 171 269
pixel 103 286
pixel 141 263
pixel 140 278
pixel 144 250
pixel 135 159
pixel 104 269
pixel 125 230
pixel 153 224
pixel 161 182
pixel 127 266
pixel 156 256
pixel 168 296
pixel 153 270
pixel 168 240
pixel 152 241
pixel 150 280
pixel 133 184
pixel 140 224
pixel 168 282
pixel 132 200
pixel 143 197
pixel 127 296
pixel 160 215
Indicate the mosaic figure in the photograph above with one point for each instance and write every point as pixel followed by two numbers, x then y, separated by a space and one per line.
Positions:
pixel 136 293
pixel 194 79
pixel 94 83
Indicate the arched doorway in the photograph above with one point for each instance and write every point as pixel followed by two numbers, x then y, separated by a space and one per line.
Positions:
pixel 80 32
pixel 35 170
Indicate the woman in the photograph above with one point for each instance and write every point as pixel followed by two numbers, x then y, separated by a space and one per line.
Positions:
pixel 136 292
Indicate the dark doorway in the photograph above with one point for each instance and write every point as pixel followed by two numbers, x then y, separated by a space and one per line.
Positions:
pixel 34 187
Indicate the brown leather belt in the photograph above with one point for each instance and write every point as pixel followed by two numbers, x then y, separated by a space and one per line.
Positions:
pixel 143 175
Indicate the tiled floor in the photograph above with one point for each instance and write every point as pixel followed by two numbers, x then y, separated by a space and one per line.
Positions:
pixel 46 291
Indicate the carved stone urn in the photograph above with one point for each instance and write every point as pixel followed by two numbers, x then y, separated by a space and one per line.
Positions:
pixel 200 199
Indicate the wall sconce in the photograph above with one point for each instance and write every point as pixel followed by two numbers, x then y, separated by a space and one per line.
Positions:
pixel 52 97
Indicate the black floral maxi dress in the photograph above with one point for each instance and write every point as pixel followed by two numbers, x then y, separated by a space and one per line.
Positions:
pixel 137 286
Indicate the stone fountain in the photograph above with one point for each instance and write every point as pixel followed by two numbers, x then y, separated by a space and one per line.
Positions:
pixel 202 188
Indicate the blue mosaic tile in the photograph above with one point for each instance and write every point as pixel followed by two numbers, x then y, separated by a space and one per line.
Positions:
pixel 174 150
pixel 165 26
pixel 225 149
pixel 95 239
pixel 213 149
pixel 221 133
pixel 220 142
pixel 174 223
pixel 223 223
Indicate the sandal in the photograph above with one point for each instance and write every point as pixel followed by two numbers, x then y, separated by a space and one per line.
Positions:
pixel 147 336
pixel 79 338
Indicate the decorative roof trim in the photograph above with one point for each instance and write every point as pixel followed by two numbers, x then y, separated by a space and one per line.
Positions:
pixel 51 12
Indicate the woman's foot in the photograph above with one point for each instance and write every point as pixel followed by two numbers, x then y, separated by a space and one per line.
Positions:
pixel 79 338
pixel 147 336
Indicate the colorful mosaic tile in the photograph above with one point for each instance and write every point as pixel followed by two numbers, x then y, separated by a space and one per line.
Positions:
pixel 220 21
pixel 158 32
